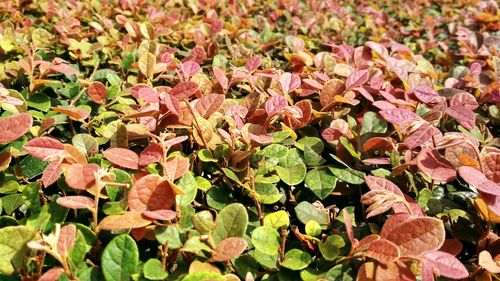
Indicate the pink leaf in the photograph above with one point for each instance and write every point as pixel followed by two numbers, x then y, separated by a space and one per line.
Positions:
pixel 487 262
pixel 176 167
pixel 190 68
pixel 122 157
pixel 67 237
pixel 383 251
pixel 184 90
pixel 52 172
pixel 397 116
pixel 148 95
pixel 426 94
pixel 275 104
pixel 491 166
pixel 376 183
pixel 420 136
pixel 150 193
pixel 478 180
pixel 356 79
pixel 220 75
pixel 229 249
pixel 253 63
pixel 52 274
pixel 80 176
pixel 44 147
pixel 97 92
pixel 289 82
pixel 464 99
pixel 431 163
pixel 209 104
pixel 14 127
pixel 372 271
pixel 76 202
pixel 174 141
pixel 163 215
pixel 463 115
pixel 446 265
pixel 152 153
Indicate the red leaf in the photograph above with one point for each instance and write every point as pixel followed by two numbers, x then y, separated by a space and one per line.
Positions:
pixel 463 115
pixel 356 79
pixel 220 75
pixel 52 274
pixel 80 176
pixel 275 104
pixel 348 228
pixel 76 202
pixel 127 220
pixel 371 271
pixel 446 265
pixel 426 94
pixel 14 127
pixel 147 94
pixel 160 215
pixel 152 153
pixel 397 116
pixel 431 163
pixel 464 99
pixel 52 172
pixel 420 136
pixel 331 89
pixel 44 148
pixel 67 237
pixel 452 246
pixel 122 157
pixel 383 250
pixel 172 103
pixel 190 68
pixel 380 201
pixel 150 193
pixel 174 141
pixel 491 166
pixel 392 222
pixel 229 249
pixel 418 235
pixel 97 92
pixel 209 104
pixel 478 180
pixel 376 183
pixel 184 90
pixel 289 82
pixel 176 166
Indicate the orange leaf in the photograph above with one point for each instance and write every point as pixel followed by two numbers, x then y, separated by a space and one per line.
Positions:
pixel 127 220
pixel 14 127
pixel 122 157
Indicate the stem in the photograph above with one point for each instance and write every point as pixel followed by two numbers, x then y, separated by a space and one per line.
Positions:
pixel 256 202
pixel 283 235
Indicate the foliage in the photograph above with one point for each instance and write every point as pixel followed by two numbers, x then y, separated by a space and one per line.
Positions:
pixel 255 140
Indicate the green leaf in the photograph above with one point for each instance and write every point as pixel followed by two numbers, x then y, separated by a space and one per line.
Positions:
pixel 232 221
pixel 321 182
pixel 188 185
pixel 266 239
pixel 218 198
pixel 293 175
pixel 330 248
pixel 203 276
pixel 203 222
pixel 11 202
pixel 316 144
pixel 373 123
pixel 169 234
pixel 13 241
pixel 341 272
pixel 274 151
pixel 266 260
pixel 205 155
pixel 39 101
pixel 312 158
pixel 293 158
pixel 203 184
pixel 350 148
pixel 296 259
pixel 306 211
pixel 85 239
pixel 153 271
pixel 231 175
pixel 32 167
pixel 313 228
pixel 277 219
pixel 196 246
pixel 31 197
pixel 120 259
pixel 85 143
pixel 348 175
pixel 267 193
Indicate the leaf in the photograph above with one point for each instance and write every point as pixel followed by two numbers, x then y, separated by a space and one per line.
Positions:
pixel 122 157
pixel 177 166
pixel 487 262
pixel 426 94
pixel 14 127
pixel 296 259
pixel 150 193
pixel 289 82
pixel 397 116
pixel 372 271
pixel 372 123
pixel 208 104
pixel 127 220
pixel 321 182
pixel 232 221
pixel 153 270
pixel 184 90
pixel 330 248
pixel 380 201
pixel 80 176
pixel 306 211
pixel 120 259
pixel 266 239
pixel 432 164
pixel 66 240
pixel 85 143
pixel 420 136
pixel 356 79
pixel 97 92
pixel 52 274
pixel 44 148
pixel 332 88
pixel 76 202
pixel 190 68
pixel 464 99
pixel 463 115
pixel 152 153
pixel 376 183
pixel 478 180
pixel 160 214
pixel 229 249
pixel 13 241
pixel 275 104
pixel 348 175
pixel 418 235
pixel 446 265
pixel 147 64
pixel 52 172
pixel 293 175
pixel 383 251
pixel 253 62
pixel 491 166
pixel 220 75
pixel 277 219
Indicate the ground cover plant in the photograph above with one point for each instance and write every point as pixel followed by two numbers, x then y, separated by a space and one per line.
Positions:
pixel 249 140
